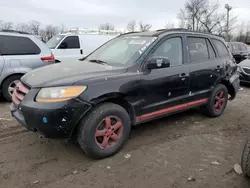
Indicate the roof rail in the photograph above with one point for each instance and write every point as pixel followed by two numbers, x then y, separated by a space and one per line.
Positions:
pixel 174 29
pixel 161 31
pixel 130 33
pixel 14 31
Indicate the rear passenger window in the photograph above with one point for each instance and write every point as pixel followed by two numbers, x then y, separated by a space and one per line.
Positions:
pixel 221 48
pixel 170 49
pixel 198 49
pixel 71 42
pixel 13 45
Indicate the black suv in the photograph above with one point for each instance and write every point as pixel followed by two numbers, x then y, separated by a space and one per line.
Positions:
pixel 134 78
pixel 239 50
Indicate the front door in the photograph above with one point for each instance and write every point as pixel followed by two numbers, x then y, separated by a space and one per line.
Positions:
pixel 68 50
pixel 166 87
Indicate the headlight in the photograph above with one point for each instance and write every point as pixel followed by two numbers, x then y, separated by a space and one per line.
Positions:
pixel 58 94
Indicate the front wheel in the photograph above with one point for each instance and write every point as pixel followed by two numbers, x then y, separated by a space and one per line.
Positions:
pixel 104 130
pixel 217 101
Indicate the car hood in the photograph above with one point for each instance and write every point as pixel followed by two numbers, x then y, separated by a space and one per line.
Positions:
pixel 68 73
pixel 245 63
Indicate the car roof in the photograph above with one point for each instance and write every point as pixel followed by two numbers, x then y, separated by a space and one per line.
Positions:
pixel 164 32
pixel 14 33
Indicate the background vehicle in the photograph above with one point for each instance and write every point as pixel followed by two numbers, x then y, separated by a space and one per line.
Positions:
pixel 244 71
pixel 20 53
pixel 131 79
pixel 71 47
pixel 239 50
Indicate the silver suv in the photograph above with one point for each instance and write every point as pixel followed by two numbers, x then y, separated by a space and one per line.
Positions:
pixel 20 53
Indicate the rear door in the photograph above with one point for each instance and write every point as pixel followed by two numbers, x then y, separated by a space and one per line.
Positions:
pixel 205 66
pixel 69 49
pixel 223 53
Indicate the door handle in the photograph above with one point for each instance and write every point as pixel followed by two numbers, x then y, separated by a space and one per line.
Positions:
pixel 81 51
pixel 183 75
pixel 218 68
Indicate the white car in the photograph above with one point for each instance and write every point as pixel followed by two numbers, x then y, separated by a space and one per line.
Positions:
pixel 71 47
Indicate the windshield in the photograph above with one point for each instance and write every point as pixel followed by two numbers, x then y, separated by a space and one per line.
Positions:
pixel 54 41
pixel 122 50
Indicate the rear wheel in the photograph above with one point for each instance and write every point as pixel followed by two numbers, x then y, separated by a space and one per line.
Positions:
pixel 103 132
pixel 9 85
pixel 217 102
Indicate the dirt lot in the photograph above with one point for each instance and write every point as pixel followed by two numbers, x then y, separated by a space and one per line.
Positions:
pixel 164 153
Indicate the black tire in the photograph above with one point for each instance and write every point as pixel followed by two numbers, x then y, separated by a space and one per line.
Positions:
pixel 245 159
pixel 89 126
pixel 6 84
pixel 210 109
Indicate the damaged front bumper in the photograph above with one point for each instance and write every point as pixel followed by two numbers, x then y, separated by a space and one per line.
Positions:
pixel 54 120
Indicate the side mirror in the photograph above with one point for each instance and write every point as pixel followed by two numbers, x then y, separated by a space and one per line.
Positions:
pixel 158 63
pixel 63 45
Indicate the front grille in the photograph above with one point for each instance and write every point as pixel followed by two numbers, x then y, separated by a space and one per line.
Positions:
pixel 19 93
pixel 246 70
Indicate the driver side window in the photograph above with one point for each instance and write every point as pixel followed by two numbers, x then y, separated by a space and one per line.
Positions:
pixel 170 49
pixel 70 42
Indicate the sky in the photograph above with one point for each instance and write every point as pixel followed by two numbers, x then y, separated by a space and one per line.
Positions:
pixel 92 13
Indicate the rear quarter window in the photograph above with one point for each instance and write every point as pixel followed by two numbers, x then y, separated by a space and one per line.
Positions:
pixel 221 48
pixel 15 45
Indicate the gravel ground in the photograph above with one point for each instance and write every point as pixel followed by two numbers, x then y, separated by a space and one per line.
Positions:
pixel 162 153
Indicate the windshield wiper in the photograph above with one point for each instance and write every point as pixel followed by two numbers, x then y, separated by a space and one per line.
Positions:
pixel 98 61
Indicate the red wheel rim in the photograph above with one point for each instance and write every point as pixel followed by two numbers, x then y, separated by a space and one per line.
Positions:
pixel 219 101
pixel 109 132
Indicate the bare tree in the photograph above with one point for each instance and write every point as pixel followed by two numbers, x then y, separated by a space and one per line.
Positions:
pixel 169 25
pixel 200 15
pixel 23 27
pixel 210 18
pixel 106 26
pixel 131 26
pixel 62 28
pixel 144 27
pixel 191 14
pixel 48 32
pixel 244 33
pixel 6 25
pixel 34 27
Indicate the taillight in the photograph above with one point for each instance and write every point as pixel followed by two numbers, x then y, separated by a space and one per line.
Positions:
pixel 49 59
